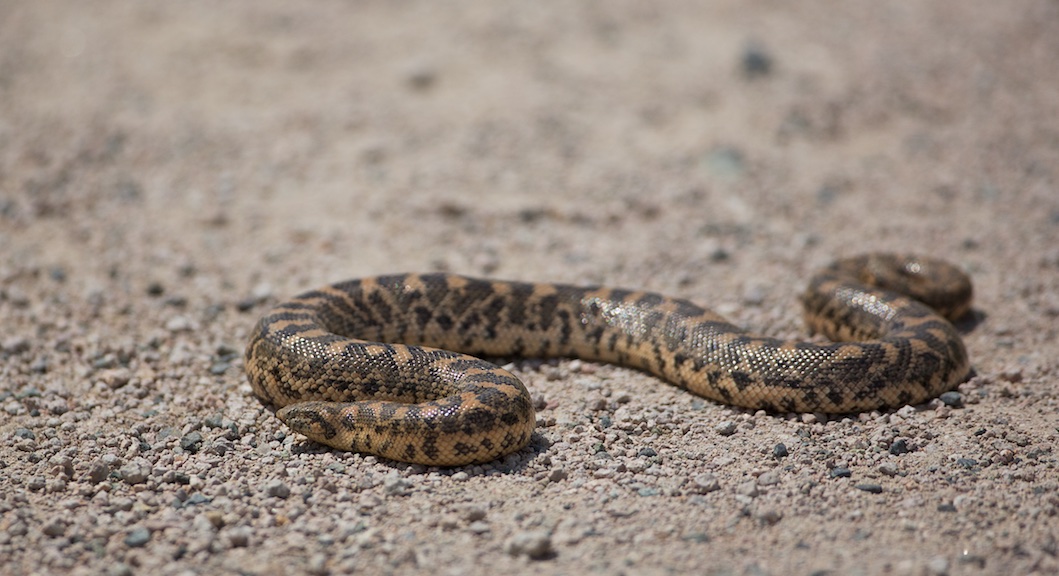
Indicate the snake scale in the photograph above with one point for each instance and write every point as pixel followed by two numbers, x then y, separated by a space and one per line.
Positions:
pixel 387 365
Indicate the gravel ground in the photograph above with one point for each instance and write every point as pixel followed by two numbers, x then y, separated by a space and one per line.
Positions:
pixel 170 170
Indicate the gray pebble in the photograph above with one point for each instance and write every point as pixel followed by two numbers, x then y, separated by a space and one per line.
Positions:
pixel 768 516
pixel 870 488
pixel 98 471
pixel 756 61
pixel 220 447
pixel 115 378
pixel 420 76
pixel 191 442
pixel 534 544
pixel 138 537
pixel 952 399
pixel 888 469
pixel 474 513
pixel 779 450
pixel 727 163
pixel 54 528
pixel 39 366
pixel 119 569
pixel 178 324
pixel 938 565
pixel 261 292
pixel 14 345
pixel 227 351
pixel 899 446
pixel 197 498
pixel 478 527
pixel 394 485
pixel 726 428
pixel 17 528
pixel 748 488
pixel 277 488
pixel 754 295
pixel 841 473
pixel 239 536
pixel 705 483
pixel 135 472
pixel 317 565
pixel 769 478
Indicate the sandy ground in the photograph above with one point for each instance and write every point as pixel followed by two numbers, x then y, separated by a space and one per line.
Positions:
pixel 169 170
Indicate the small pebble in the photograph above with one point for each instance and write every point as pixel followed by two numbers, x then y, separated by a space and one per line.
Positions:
pixel 277 488
pixel 871 488
pixel 135 472
pixel 14 345
pixel 394 485
pixel 938 565
pixel 779 451
pixel 899 446
pixel 54 528
pixel 726 428
pixel 952 399
pixel 239 536
pixel 705 483
pixel 754 295
pixel 191 442
pixel 748 488
pixel 756 62
pixel 769 478
pixel 120 569
pixel 534 544
pixel 138 537
pixel 841 473
pixel 178 324
pixel 768 516
pixel 98 471
pixel 420 76
pixel 261 292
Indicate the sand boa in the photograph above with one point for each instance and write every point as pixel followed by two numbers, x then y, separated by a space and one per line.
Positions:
pixel 419 401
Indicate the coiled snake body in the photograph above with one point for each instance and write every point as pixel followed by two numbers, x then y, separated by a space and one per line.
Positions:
pixel 330 358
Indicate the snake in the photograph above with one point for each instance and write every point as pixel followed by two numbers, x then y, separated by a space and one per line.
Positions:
pixel 389 365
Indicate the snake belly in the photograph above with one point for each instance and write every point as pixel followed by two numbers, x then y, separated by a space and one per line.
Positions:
pixel 388 365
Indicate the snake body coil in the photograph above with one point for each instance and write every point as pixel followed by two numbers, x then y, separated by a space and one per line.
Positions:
pixel 330 359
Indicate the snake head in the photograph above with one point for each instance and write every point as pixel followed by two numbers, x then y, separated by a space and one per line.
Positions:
pixel 315 420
